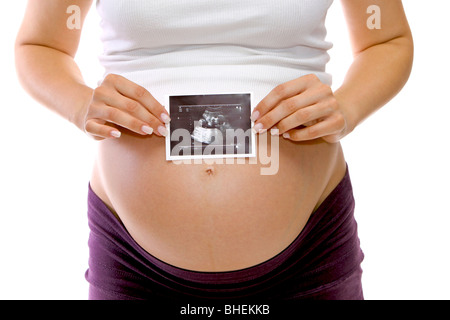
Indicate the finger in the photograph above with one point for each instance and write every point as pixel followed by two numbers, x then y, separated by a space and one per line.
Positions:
pixel 282 92
pixel 100 131
pixel 329 126
pixel 138 93
pixel 123 119
pixel 289 107
pixel 305 116
pixel 134 108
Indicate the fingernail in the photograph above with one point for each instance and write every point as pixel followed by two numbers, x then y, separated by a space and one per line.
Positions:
pixel 116 134
pixel 165 118
pixel 257 127
pixel 162 130
pixel 255 116
pixel 148 130
pixel 274 131
pixel 286 135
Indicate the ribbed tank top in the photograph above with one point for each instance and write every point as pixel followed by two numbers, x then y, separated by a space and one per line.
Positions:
pixel 223 46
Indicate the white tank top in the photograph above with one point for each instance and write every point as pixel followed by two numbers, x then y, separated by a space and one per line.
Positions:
pixel 203 46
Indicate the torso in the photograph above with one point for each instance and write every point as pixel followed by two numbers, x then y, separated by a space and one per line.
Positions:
pixel 213 217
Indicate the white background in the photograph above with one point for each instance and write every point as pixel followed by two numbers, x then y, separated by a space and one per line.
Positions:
pixel 398 161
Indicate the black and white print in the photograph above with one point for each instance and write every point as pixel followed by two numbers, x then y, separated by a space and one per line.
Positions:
pixel 210 126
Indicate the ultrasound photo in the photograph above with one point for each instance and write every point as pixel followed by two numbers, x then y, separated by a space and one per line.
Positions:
pixel 210 126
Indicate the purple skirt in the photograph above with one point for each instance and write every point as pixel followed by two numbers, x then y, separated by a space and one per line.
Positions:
pixel 323 262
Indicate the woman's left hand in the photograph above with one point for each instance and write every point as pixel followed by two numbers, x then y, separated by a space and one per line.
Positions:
pixel 302 109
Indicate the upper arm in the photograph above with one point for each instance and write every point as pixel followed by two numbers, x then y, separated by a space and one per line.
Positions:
pixel 45 24
pixel 394 24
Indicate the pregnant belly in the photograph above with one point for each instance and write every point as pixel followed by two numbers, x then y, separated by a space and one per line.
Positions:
pixel 213 217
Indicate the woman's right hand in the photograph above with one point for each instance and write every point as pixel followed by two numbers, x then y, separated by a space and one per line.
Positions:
pixel 120 103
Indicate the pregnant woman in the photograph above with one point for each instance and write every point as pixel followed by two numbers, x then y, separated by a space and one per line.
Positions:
pixel 161 230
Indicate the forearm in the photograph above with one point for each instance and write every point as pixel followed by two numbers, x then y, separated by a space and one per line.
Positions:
pixel 376 75
pixel 53 78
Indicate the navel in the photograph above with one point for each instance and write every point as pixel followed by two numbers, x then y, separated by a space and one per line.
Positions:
pixel 210 171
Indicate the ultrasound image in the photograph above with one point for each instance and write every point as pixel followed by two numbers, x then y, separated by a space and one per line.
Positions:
pixel 220 121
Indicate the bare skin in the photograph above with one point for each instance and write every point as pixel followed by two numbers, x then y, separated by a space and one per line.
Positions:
pixel 255 216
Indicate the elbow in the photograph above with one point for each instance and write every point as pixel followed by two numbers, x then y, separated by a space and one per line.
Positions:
pixel 20 57
pixel 406 47
pixel 411 52
pixel 19 60
pixel 400 51
pixel 19 45
pixel 22 60
pixel 402 57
